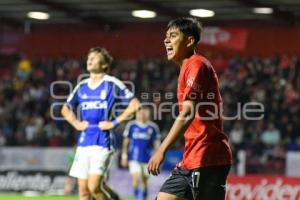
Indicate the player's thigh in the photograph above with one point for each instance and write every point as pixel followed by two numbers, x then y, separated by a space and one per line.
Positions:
pixel 166 196
pixel 136 177
pixel 82 186
pixel 94 182
pixel 177 184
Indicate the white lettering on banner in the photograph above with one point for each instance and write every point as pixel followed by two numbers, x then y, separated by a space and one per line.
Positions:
pixel 13 181
pixel 214 35
pixel 93 105
pixel 263 190
pixel 16 182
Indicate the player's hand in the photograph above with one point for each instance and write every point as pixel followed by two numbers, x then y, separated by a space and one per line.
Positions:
pixel 105 125
pixel 81 125
pixel 155 162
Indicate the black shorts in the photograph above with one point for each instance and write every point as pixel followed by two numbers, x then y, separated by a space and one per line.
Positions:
pixel 205 183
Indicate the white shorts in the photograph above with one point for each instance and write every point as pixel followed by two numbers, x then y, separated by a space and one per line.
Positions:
pixel 90 160
pixel 136 167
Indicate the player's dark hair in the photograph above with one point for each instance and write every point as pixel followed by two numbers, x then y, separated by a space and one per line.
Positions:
pixel 108 59
pixel 189 26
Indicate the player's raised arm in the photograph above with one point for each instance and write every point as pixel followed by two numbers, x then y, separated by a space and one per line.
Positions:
pixel 181 123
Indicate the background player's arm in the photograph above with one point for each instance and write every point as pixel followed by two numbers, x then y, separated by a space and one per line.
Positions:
pixel 69 115
pixel 124 154
pixel 157 138
pixel 181 123
pixel 132 108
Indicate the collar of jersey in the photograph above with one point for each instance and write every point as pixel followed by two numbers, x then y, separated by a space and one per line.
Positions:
pixel 141 124
pixel 97 85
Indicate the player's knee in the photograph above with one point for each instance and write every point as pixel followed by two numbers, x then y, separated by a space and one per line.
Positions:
pixel 144 185
pixel 83 192
pixel 145 182
pixel 135 183
pixel 94 190
pixel 135 179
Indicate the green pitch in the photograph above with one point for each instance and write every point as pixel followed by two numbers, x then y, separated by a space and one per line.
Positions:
pixel 21 197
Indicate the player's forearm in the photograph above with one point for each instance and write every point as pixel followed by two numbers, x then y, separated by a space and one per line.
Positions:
pixel 180 125
pixel 132 108
pixel 156 144
pixel 68 115
pixel 125 147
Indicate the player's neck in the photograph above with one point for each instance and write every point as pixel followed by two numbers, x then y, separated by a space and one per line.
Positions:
pixel 142 121
pixel 96 77
pixel 185 58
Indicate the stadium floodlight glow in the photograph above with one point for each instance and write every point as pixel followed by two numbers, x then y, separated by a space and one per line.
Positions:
pixel 38 15
pixel 263 10
pixel 143 13
pixel 202 13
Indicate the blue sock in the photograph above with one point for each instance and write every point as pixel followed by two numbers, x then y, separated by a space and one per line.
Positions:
pixel 144 194
pixel 136 193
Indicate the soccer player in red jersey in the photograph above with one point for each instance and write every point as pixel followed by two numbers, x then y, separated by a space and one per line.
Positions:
pixel 207 156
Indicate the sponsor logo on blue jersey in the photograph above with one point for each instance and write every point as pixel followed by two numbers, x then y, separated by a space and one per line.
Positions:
pixel 93 105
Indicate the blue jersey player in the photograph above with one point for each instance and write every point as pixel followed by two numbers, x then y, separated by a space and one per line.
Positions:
pixel 90 109
pixel 140 137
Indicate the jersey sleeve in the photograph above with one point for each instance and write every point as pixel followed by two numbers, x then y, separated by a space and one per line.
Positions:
pixel 194 81
pixel 72 101
pixel 127 131
pixel 123 94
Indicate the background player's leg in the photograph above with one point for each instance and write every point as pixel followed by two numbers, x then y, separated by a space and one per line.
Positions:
pixel 135 183
pixel 68 185
pixel 83 189
pixel 144 182
pixel 144 187
pixel 112 193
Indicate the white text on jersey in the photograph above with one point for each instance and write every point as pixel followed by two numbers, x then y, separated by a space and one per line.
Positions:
pixel 93 105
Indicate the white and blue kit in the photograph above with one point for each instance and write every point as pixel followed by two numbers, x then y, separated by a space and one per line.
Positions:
pixel 95 104
pixel 142 137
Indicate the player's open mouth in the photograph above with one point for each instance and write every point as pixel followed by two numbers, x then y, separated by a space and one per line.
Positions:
pixel 169 50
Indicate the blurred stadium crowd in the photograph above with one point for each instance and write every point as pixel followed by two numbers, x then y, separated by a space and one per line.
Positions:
pixel 25 101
